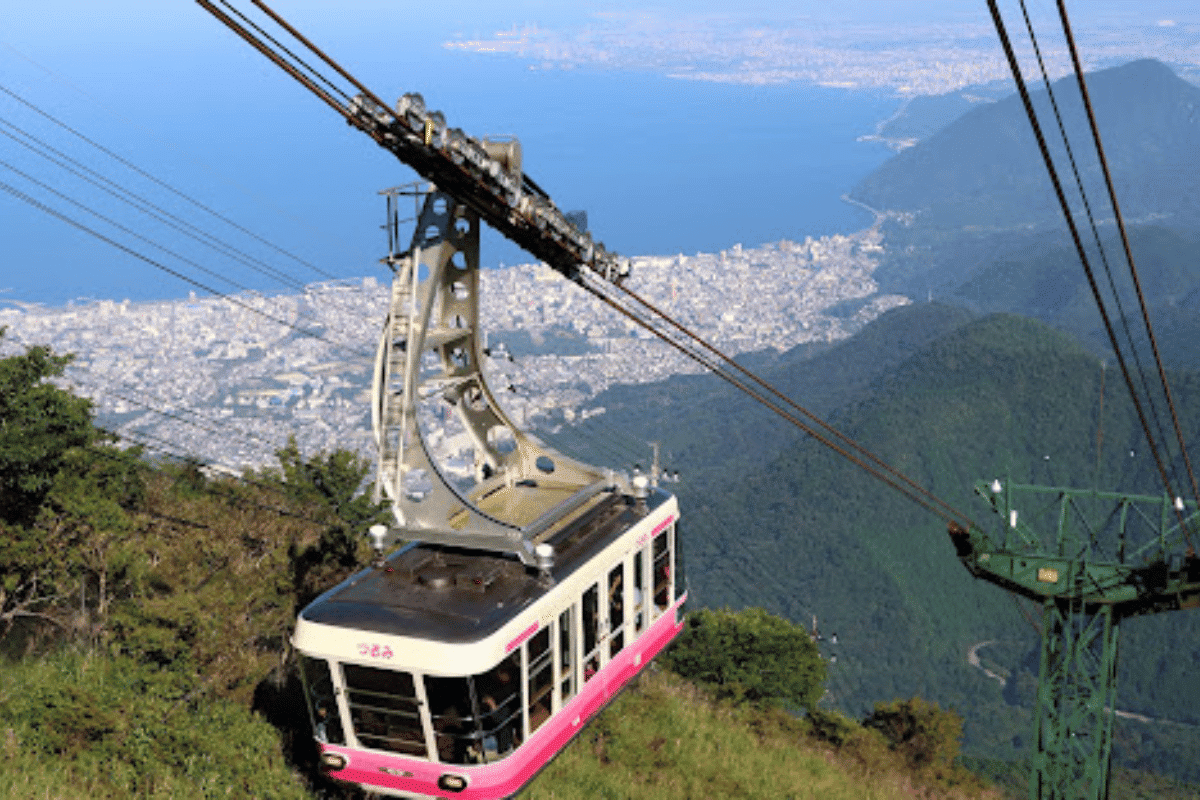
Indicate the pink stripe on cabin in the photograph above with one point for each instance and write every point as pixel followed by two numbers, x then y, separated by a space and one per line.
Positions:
pixel 522 636
pixel 503 778
pixel 662 525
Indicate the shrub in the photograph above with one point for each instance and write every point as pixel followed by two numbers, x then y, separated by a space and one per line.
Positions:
pixel 750 656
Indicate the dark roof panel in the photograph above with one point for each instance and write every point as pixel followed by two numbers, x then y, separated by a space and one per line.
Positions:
pixel 457 595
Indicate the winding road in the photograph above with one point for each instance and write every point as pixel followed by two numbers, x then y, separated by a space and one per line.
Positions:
pixel 974 660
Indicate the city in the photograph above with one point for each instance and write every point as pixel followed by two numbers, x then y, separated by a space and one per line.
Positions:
pixel 228 380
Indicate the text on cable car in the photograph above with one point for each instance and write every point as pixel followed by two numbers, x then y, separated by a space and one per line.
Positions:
pixel 374 650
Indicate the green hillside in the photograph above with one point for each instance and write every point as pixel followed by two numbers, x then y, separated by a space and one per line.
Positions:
pixel 1039 275
pixel 980 204
pixel 775 520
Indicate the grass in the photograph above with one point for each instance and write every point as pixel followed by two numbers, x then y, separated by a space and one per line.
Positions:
pixel 79 725
pixel 665 739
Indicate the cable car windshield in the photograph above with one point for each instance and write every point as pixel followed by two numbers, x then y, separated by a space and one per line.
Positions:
pixel 474 719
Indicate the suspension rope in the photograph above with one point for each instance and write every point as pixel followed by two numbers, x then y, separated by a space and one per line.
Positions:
pixel 147 206
pixel 716 363
pixel 947 511
pixel 17 193
pixel 316 75
pixel 1023 90
pixel 1112 196
pixel 210 425
pixel 1112 284
pixel 178 193
pixel 167 449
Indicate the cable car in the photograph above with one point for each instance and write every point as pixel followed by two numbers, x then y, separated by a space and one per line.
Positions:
pixel 446 670
pixel 518 606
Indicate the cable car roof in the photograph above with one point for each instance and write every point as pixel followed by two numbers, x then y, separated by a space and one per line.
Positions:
pixel 457 595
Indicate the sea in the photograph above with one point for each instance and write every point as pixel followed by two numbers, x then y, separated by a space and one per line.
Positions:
pixel 661 165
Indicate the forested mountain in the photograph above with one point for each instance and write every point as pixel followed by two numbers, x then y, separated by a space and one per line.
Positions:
pixel 774 519
pixel 981 179
pixel 984 170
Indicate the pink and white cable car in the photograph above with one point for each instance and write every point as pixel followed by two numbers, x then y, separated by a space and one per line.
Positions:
pixel 464 662
pixel 446 671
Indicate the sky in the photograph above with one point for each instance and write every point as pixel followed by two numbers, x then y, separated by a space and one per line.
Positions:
pixel 165 86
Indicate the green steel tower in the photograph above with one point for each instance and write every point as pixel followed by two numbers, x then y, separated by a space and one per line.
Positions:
pixel 1091 559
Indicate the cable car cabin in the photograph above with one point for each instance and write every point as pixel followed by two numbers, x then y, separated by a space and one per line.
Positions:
pixel 447 671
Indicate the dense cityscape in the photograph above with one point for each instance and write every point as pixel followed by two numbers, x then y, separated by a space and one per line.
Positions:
pixel 909 60
pixel 228 380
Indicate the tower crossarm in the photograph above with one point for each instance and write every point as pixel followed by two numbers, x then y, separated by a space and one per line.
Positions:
pixel 1100 548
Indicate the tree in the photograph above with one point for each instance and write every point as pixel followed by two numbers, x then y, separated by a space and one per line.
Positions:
pixel 39 425
pixel 63 497
pixel 750 656
pixel 329 487
pixel 924 734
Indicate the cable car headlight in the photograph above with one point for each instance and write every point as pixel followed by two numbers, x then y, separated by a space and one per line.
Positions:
pixel 452 783
pixel 333 761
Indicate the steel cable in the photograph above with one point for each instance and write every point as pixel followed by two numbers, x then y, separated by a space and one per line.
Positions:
pixel 889 476
pixel 1031 114
pixel 1112 196
pixel 17 193
pixel 1121 315
pixel 180 194
pixel 949 511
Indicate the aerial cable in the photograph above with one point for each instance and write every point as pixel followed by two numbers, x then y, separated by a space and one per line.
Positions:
pixel 164 249
pixel 1023 90
pixel 180 150
pixel 12 190
pixel 283 64
pixel 20 195
pixel 135 168
pixel 1121 315
pixel 123 194
pixel 283 48
pixel 166 448
pixel 597 442
pixel 1112 196
pixel 212 426
pixel 920 496
pixel 947 511
pixel 587 442
pixel 622 453
pixel 317 51
pixel 148 207
pixel 82 206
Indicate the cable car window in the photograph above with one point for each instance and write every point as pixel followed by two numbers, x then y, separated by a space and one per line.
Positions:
pixel 384 709
pixel 639 594
pixel 499 693
pixel 591 632
pixel 680 573
pixel 616 609
pixel 662 572
pixel 322 705
pixel 566 647
pixel 541 678
pixel 455 734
